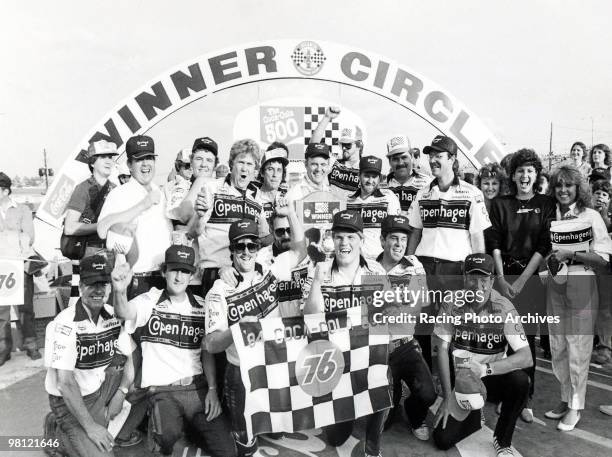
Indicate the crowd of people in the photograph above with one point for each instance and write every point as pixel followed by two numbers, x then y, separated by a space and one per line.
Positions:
pixel 159 269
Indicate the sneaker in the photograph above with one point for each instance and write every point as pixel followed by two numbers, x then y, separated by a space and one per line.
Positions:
pixel 502 451
pixel 527 415
pixel 602 355
pixel 557 413
pixel 567 425
pixel 421 433
pixel 134 439
pixel 606 409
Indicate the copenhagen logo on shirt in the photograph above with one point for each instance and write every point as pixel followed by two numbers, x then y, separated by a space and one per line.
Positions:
pixel 406 195
pixel 258 300
pixel 453 214
pixel 337 298
pixel 185 332
pixel 371 213
pixel 292 290
pixel 480 338
pixel 228 209
pixel 96 350
pixel 344 177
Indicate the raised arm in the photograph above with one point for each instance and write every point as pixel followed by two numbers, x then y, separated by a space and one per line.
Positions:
pixel 331 113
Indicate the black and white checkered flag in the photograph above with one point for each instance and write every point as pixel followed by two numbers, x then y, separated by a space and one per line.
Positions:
pixel 299 379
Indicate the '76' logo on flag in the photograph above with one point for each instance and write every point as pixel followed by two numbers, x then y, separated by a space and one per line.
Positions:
pixel 319 367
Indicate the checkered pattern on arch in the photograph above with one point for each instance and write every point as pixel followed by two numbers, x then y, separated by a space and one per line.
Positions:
pixel 275 402
pixel 312 116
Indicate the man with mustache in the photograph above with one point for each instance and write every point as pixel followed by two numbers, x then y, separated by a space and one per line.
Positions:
pixel 343 173
pixel 317 167
pixel 448 218
pixel 404 179
pixel 141 204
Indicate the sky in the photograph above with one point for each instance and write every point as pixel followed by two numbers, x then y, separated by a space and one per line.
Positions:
pixel 518 65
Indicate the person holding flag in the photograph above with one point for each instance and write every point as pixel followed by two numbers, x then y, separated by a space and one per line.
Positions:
pixel 231 301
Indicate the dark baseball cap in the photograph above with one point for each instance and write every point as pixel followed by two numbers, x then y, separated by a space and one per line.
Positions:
pixel 180 257
pixel 205 143
pixel 140 146
pixel 479 263
pixel 347 220
pixel 243 229
pixel 95 268
pixel 317 150
pixel 5 181
pixel 396 223
pixel 599 173
pixel 442 143
pixel 370 163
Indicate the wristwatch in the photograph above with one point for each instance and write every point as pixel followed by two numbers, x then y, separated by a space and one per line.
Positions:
pixel 489 369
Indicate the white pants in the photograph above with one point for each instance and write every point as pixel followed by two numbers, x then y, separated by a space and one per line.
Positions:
pixel 571 341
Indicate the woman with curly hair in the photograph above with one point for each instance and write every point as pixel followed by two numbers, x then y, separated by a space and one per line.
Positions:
pixel 573 296
pixel 491 180
pixel 518 240
pixel 578 156
pixel 600 156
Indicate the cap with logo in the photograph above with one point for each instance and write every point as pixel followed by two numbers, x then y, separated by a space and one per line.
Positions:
pixel 317 150
pixel 370 163
pixel 95 268
pixel 395 224
pixel 205 143
pixel 350 134
pixel 180 257
pixel 398 145
pixel 140 146
pixel 184 156
pixel 479 263
pixel 599 173
pixel 275 154
pixel 245 228
pixel 102 147
pixel 348 220
pixel 442 143
pixel 5 181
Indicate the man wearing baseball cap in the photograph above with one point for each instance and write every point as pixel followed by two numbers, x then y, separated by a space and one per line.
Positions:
pixel 405 358
pixel 226 304
pixel 141 204
pixel 334 283
pixel 344 173
pixel 317 168
pixel 482 349
pixel 404 179
pixel 85 380
pixel 448 218
pixel 180 376
pixel 16 239
pixel 373 203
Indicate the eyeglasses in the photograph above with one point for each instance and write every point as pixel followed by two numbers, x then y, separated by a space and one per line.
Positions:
pixel 282 230
pixel 241 247
pixel 185 166
pixel 346 145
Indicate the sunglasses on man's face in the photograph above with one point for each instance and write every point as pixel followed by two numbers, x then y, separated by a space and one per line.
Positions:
pixel 282 230
pixel 185 166
pixel 242 247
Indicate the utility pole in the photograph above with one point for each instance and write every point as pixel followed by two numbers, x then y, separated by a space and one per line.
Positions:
pixel 46 170
pixel 550 148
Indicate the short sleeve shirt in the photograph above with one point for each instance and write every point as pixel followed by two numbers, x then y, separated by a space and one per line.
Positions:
pixel 447 219
pixel 88 198
pixel 75 343
pixel 170 334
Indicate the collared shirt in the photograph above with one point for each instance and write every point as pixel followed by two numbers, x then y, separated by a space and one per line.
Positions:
pixel 255 295
pixel 408 275
pixel 448 219
pixel 407 191
pixel 153 229
pixel 170 333
pixel 486 342
pixel 88 197
pixel 229 205
pixel 75 343
pixel 374 209
pixel 305 187
pixel 343 180
pixel 175 192
pixel 16 229
pixel 584 168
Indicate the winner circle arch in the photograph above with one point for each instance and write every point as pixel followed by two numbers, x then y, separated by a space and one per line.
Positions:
pixel 255 62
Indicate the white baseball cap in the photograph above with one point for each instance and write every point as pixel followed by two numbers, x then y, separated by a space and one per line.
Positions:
pixel 350 133
pixel 398 144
